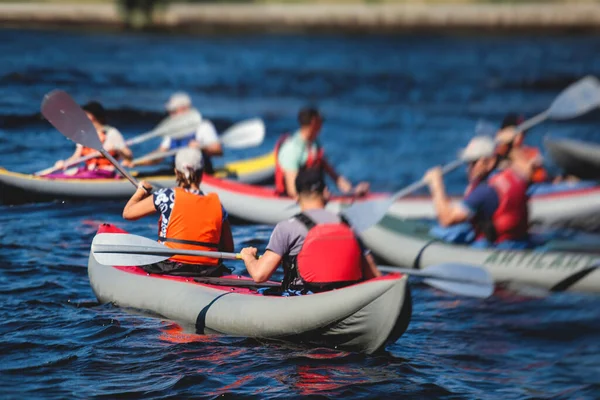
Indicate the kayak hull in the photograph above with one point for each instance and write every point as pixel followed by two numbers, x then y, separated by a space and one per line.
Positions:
pixel 573 206
pixel 17 188
pixel 574 157
pixel 362 318
pixel 406 243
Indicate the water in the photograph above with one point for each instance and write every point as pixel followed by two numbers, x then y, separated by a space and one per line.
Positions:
pixel 394 107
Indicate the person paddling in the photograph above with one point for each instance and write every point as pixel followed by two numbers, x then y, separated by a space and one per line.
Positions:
pixel 203 138
pixel 188 219
pixel 496 206
pixel 112 141
pixel 318 249
pixel 302 150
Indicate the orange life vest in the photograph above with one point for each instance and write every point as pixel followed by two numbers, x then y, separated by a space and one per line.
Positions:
pixel 194 224
pixel 330 257
pixel 100 161
pixel 313 161
pixel 539 173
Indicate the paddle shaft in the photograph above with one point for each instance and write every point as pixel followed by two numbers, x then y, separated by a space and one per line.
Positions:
pixel 418 185
pixel 166 251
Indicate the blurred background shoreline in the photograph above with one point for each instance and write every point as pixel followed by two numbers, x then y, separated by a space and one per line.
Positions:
pixel 565 16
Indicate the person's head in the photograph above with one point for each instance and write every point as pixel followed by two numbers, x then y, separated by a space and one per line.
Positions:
pixel 480 156
pixel 96 113
pixel 188 167
pixel 178 103
pixel 310 120
pixel 508 137
pixel 310 186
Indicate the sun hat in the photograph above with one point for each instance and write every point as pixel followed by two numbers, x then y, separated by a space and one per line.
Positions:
pixel 178 100
pixel 478 147
pixel 188 160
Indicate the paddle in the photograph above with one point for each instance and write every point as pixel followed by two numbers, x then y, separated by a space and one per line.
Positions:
pixel 577 99
pixel 126 250
pixel 175 126
pixel 70 120
pixel 248 133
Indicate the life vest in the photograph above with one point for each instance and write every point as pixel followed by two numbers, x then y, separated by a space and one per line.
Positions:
pixel 99 162
pixel 539 173
pixel 330 257
pixel 313 161
pixel 511 218
pixel 194 224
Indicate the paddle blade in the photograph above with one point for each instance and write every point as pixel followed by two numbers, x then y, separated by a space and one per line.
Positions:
pixel 106 249
pixel 577 99
pixel 461 279
pixel 362 215
pixel 244 134
pixel 70 119
pixel 179 126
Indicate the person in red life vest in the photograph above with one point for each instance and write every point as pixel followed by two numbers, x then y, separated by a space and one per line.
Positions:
pixel 319 250
pixel 496 206
pixel 511 149
pixel 188 219
pixel 302 150
pixel 112 141
pixel 203 138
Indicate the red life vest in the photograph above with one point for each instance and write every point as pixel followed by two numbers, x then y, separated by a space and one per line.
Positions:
pixel 100 161
pixel 511 218
pixel 313 161
pixel 194 224
pixel 330 257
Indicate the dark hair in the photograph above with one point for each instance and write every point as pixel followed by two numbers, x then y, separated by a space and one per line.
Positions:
pixel 307 114
pixel 186 183
pixel 96 109
pixel 511 119
pixel 310 180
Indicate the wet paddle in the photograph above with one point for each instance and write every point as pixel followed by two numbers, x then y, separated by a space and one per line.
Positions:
pixel 132 250
pixel 70 120
pixel 248 133
pixel 171 126
pixel 577 99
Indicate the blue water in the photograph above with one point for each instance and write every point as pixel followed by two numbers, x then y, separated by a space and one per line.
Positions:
pixel 394 107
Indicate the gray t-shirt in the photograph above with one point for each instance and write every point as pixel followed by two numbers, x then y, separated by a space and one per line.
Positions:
pixel 288 236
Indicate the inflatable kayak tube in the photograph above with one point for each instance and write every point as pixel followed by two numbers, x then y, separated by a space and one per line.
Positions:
pixel 261 205
pixel 360 318
pixel 407 243
pixel 574 157
pixel 16 188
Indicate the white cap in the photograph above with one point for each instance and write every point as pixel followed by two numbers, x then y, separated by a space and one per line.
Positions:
pixel 188 160
pixel 478 147
pixel 178 100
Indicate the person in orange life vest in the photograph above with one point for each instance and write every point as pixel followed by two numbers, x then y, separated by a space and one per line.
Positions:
pixel 188 218
pixel 510 148
pixel 302 150
pixel 111 140
pixel 203 138
pixel 319 250
pixel 496 207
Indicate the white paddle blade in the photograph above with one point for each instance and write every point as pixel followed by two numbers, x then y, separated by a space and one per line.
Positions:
pixel 112 241
pixel 462 279
pixel 577 99
pixel 70 119
pixel 244 134
pixel 363 215
pixel 180 125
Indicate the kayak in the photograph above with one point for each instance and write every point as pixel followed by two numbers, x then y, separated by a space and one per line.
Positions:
pixel 16 188
pixel 360 318
pixel 557 265
pixel 581 159
pixel 549 205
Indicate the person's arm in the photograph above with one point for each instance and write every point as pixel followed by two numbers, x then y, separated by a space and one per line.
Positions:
pixel 226 243
pixel 369 267
pixel 213 149
pixel 289 161
pixel 76 154
pixel 343 184
pixel 262 269
pixel 207 140
pixel 290 182
pixel 140 204
pixel 447 213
